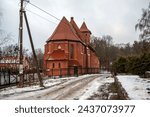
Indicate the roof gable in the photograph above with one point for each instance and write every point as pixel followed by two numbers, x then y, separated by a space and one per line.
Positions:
pixel 84 28
pixel 76 28
pixel 64 30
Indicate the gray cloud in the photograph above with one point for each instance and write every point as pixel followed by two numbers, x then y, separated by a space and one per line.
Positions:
pixel 114 17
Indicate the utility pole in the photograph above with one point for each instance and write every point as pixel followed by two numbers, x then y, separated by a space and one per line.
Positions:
pixel 33 51
pixel 21 46
pixel 22 12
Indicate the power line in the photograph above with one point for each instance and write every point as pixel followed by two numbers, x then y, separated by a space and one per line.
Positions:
pixel 44 11
pixel 27 1
pixel 40 16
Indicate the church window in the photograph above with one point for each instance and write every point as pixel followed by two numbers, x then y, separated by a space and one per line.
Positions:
pixel 59 65
pixel 53 65
pixel 71 51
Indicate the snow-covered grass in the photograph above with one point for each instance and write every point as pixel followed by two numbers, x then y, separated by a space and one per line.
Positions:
pixel 94 86
pixel 135 86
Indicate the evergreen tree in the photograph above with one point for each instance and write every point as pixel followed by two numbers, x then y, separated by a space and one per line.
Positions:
pixel 119 66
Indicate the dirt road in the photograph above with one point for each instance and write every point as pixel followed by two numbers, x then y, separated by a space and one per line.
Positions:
pixel 92 87
pixel 65 90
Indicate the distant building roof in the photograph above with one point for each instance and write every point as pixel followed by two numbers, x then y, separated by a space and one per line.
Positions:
pixel 9 61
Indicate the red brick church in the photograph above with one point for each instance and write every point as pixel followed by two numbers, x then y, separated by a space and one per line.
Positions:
pixel 68 50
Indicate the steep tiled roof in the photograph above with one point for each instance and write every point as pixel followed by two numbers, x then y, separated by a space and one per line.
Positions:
pixel 76 28
pixel 84 28
pixel 64 31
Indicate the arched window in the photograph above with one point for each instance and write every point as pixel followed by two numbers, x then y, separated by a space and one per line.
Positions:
pixel 59 65
pixel 71 51
pixel 53 65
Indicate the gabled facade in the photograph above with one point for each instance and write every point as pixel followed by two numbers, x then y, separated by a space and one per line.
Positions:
pixel 67 51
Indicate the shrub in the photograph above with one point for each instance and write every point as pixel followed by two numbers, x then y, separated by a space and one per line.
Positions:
pixel 119 66
pixel 134 64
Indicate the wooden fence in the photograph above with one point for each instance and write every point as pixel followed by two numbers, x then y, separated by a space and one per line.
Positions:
pixel 10 77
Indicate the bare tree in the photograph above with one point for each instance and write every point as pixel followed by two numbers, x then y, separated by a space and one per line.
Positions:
pixel 105 50
pixel 4 37
pixel 144 24
pixel 40 56
pixel 9 50
pixel 1 16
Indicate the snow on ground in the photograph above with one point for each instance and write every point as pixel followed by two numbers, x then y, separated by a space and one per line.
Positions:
pixel 34 91
pixel 20 93
pixel 15 93
pixel 136 87
pixel 93 87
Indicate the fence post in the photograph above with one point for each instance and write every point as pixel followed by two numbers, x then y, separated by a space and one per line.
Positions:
pixel 76 71
pixel 60 73
pixel 9 76
pixel 4 78
pixel 0 76
pixel 68 72
pixel 52 72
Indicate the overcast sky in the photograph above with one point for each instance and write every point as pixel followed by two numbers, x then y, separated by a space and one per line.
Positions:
pixel 103 17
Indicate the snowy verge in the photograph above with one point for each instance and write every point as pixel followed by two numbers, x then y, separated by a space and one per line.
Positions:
pixel 135 86
pixel 93 87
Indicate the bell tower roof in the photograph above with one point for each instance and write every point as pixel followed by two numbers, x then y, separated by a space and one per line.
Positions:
pixel 84 28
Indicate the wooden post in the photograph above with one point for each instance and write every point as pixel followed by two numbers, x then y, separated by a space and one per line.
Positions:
pixel 9 76
pixel 0 75
pixel 52 72
pixel 21 46
pixel 33 50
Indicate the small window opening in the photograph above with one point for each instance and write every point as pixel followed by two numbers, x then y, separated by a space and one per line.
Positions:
pixel 59 65
pixel 53 65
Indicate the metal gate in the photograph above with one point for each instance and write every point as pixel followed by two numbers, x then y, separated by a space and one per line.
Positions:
pixel 8 77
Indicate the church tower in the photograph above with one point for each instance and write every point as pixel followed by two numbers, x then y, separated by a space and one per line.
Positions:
pixel 86 33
